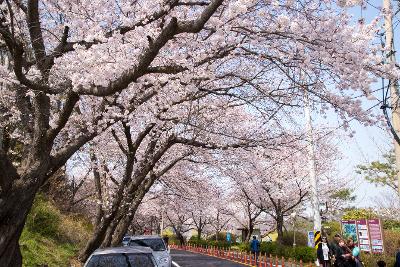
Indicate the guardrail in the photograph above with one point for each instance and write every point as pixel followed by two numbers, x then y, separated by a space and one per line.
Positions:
pixel 243 257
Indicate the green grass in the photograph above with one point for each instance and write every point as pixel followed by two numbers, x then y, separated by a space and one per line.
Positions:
pixel 50 237
pixel 38 250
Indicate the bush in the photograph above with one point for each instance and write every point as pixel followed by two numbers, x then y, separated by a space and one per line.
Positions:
pixel 393 225
pixel 331 228
pixel 390 241
pixel 220 244
pixel 221 237
pixel 371 259
pixel 301 238
pixel 306 254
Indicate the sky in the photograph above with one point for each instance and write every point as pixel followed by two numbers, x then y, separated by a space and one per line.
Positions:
pixel 368 143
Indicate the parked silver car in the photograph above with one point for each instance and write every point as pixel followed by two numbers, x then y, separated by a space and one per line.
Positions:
pixel 122 257
pixel 156 243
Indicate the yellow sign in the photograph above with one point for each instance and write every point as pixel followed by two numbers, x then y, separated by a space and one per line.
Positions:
pixel 317 238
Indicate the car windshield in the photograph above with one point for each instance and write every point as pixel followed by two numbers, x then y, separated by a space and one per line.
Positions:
pixel 121 260
pixel 156 244
pixel 126 238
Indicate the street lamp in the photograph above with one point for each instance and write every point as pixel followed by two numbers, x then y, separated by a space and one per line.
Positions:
pixel 293 215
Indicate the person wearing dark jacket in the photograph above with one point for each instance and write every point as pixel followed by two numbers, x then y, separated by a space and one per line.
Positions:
pixel 397 263
pixel 334 248
pixel 255 247
pixel 323 253
pixel 342 256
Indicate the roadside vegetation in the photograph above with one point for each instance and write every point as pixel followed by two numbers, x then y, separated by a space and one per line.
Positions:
pixel 51 238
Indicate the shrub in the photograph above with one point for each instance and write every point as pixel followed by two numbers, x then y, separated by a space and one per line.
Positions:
pixel 331 228
pixel 202 242
pixel 221 237
pixel 391 239
pixel 244 246
pixel 371 259
pixel 393 225
pixel 301 238
pixel 306 254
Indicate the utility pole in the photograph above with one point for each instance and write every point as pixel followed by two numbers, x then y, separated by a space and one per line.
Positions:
pixel 313 176
pixel 394 94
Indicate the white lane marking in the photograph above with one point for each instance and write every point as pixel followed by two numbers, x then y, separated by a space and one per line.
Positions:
pixel 175 264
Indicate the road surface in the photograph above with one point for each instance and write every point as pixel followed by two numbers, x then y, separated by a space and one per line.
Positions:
pixel 188 259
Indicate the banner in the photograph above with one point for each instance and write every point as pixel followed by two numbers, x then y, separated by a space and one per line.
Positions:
pixel 310 236
pixel 375 232
pixel 363 235
pixel 349 229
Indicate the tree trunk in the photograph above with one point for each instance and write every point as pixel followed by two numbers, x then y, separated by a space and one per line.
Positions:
pixel 250 232
pixel 279 228
pixel 180 238
pixel 14 210
pixel 124 224
pixel 96 240
pixel 199 232
pixel 110 232
pixel 121 229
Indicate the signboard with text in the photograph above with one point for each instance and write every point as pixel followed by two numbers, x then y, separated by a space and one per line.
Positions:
pixel 363 235
pixel 367 233
pixel 228 237
pixel 375 232
pixel 310 236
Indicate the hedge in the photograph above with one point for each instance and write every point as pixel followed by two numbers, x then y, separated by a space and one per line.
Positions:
pixel 306 254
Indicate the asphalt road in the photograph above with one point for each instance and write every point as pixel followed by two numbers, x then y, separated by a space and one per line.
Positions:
pixel 187 259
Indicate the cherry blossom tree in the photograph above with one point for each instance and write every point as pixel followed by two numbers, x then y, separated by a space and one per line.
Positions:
pixel 71 70
pixel 246 214
pixel 276 181
pixel 221 216
pixel 150 155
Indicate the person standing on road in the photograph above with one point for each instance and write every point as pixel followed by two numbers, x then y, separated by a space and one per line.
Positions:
pixel 342 255
pixel 255 247
pixel 334 249
pixel 323 253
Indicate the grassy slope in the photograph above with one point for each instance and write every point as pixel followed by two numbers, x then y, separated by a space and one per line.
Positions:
pixel 50 237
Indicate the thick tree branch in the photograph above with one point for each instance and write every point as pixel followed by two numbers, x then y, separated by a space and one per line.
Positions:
pixel 196 143
pixel 8 173
pixel 21 6
pixel 119 142
pixel 173 28
pixel 64 114
pixel 35 33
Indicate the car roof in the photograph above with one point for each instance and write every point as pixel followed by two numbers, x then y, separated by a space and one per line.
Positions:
pixel 144 250
pixel 138 237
